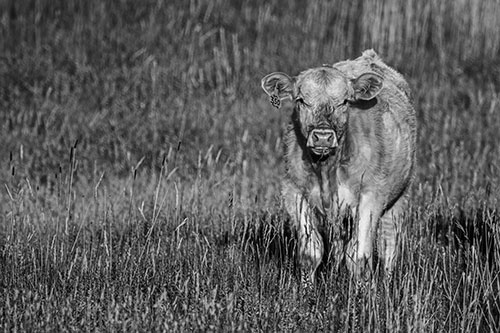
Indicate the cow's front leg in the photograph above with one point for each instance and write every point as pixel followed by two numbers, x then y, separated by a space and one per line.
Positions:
pixel 359 252
pixel 310 244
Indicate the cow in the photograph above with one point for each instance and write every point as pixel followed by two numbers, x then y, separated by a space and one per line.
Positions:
pixel 349 151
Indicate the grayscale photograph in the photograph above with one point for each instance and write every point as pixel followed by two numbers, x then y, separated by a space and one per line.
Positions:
pixel 249 166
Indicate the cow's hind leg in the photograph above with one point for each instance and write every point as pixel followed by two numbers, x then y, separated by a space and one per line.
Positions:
pixel 390 224
pixel 388 230
pixel 310 244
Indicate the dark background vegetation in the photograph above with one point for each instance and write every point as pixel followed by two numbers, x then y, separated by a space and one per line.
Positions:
pixel 140 164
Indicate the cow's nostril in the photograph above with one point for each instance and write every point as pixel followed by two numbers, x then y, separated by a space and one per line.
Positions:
pixel 323 135
pixel 322 138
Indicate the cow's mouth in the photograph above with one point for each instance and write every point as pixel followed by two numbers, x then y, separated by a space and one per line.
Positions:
pixel 321 151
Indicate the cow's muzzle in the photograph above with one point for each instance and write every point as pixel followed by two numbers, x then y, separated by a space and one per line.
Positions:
pixel 322 141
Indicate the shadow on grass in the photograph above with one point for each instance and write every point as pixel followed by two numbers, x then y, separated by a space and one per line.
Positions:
pixel 478 228
pixel 272 238
pixel 473 239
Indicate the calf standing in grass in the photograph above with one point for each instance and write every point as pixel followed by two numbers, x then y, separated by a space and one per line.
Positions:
pixel 350 150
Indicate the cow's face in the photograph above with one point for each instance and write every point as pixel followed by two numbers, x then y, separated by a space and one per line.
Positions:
pixel 322 97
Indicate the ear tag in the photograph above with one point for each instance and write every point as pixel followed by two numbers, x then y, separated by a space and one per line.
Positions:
pixel 275 100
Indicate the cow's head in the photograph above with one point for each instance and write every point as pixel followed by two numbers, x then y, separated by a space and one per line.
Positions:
pixel 322 97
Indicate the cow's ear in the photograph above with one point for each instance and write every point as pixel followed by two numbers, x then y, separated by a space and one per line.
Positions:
pixel 366 86
pixel 278 86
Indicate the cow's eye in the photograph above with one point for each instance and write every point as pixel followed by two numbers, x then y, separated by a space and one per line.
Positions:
pixel 344 103
pixel 300 100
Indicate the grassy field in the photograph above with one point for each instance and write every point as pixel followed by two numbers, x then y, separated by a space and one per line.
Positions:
pixel 140 165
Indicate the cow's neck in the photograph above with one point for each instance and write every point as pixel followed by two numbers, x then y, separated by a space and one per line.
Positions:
pixel 325 170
